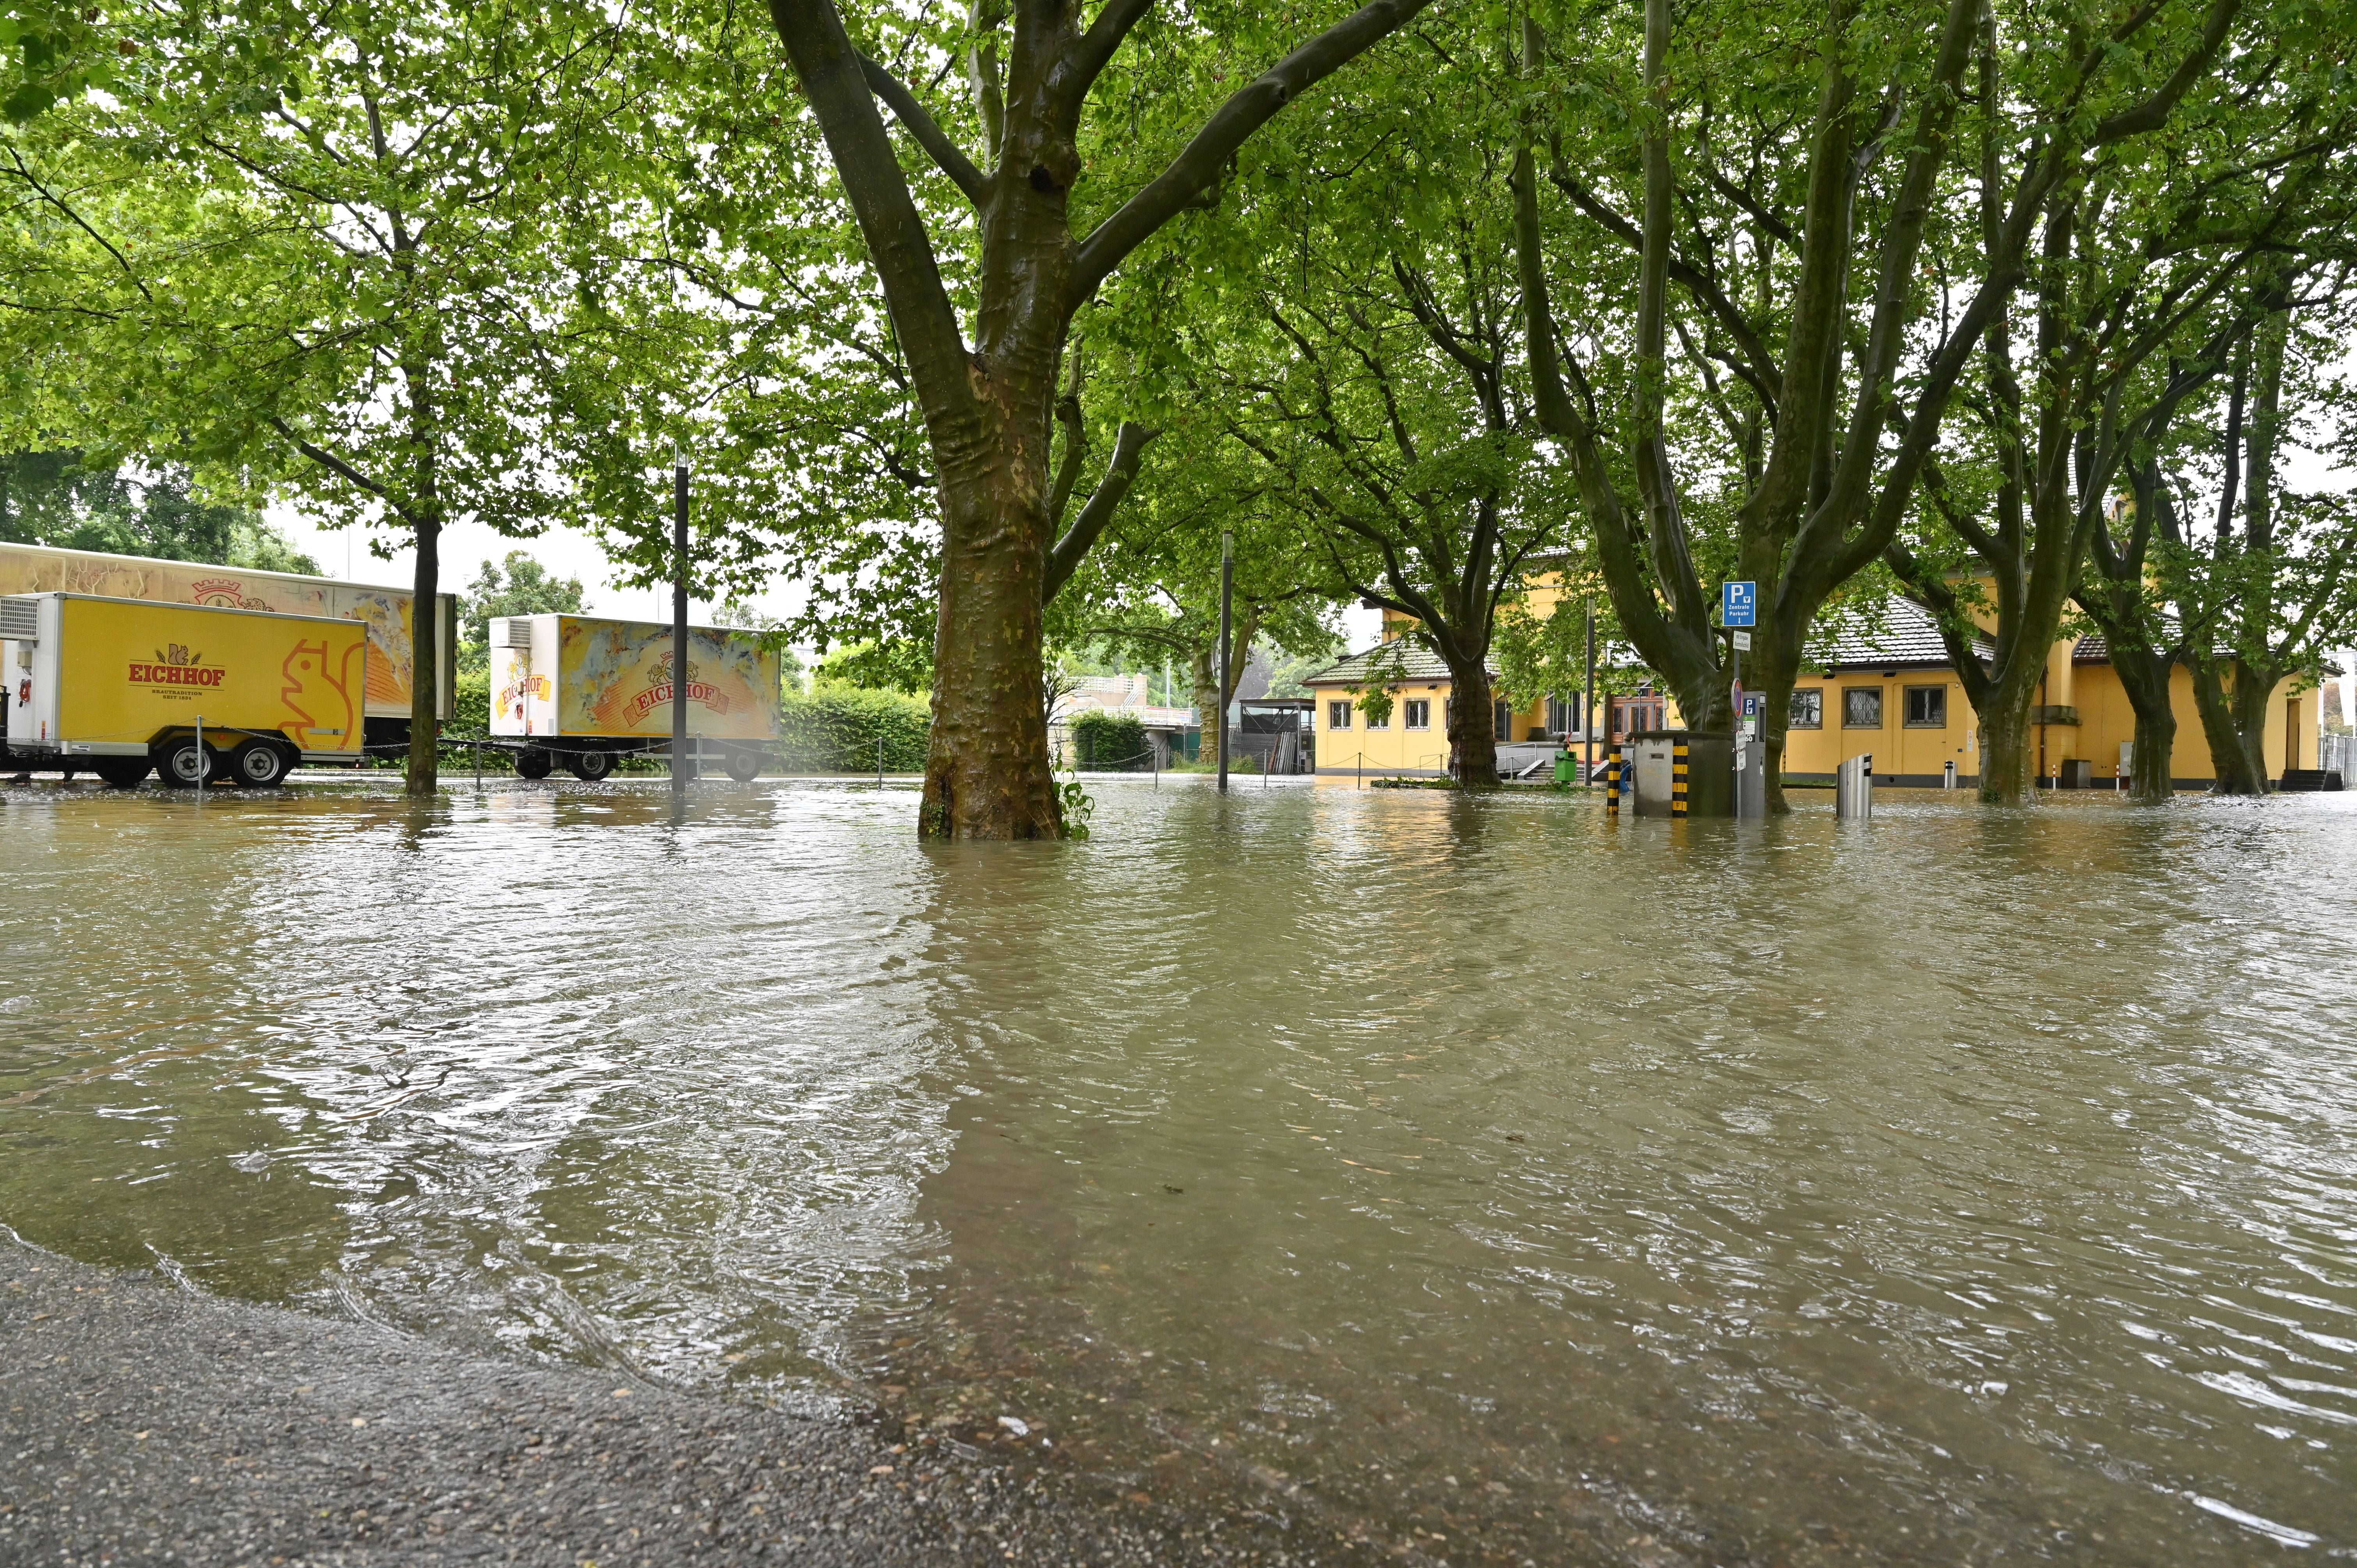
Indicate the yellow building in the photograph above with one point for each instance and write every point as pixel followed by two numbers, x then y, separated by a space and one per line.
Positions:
pixel 1891 692
pixel 1885 690
pixel 1414 739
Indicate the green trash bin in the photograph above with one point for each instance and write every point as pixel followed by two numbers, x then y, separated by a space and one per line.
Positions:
pixel 1567 768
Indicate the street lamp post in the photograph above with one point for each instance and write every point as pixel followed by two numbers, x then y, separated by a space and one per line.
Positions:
pixel 1227 642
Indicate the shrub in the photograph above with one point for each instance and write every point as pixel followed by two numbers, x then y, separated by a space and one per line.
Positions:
pixel 833 729
pixel 1108 743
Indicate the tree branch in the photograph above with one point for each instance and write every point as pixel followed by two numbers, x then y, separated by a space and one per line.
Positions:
pixel 2154 111
pixel 1121 473
pixel 929 135
pixel 831 77
pixel 1244 112
pixel 1088 56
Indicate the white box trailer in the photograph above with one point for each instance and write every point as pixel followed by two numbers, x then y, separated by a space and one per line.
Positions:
pixel 197 693
pixel 584 691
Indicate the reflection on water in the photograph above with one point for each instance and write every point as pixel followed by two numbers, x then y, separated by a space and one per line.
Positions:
pixel 1474 1175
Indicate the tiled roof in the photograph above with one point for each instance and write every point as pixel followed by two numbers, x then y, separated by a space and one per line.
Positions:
pixel 2093 650
pixel 1907 635
pixel 1406 654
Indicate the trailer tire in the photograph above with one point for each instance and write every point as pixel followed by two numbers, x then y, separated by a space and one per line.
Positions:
pixel 260 764
pixel 123 772
pixel 183 764
pixel 534 763
pixel 744 766
pixel 589 766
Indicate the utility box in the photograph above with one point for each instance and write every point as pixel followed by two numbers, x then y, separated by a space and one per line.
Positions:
pixel 130 684
pixel 2078 773
pixel 1682 773
pixel 1752 782
pixel 1651 765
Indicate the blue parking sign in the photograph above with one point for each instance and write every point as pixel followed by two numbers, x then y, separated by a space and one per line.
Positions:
pixel 1738 603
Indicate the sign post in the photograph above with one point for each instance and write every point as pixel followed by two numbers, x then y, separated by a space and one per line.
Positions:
pixel 1738 611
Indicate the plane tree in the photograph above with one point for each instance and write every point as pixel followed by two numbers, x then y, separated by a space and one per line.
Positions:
pixel 320 254
pixel 1370 366
pixel 2266 583
pixel 2147 267
pixel 1779 177
pixel 1074 139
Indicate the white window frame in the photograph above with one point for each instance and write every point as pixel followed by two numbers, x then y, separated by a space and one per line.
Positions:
pixel 1411 704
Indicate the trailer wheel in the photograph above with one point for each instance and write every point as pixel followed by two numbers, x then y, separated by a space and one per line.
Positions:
pixel 589 766
pixel 124 772
pixel 260 764
pixel 534 763
pixel 744 766
pixel 183 764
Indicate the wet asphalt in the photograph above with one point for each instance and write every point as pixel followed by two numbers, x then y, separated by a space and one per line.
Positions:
pixel 144 1421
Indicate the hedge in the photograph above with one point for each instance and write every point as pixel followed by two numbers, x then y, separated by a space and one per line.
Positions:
pixel 1108 743
pixel 835 730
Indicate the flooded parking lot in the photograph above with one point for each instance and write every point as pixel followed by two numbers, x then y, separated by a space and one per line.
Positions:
pixel 1471 1175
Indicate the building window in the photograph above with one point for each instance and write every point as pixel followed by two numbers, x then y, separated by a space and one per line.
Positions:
pixel 1563 714
pixel 1502 716
pixel 1338 716
pixel 1861 707
pixel 1927 707
pixel 1383 723
pixel 1419 713
pixel 1808 708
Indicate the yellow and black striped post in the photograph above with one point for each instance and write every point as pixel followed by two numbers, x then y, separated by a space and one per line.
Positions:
pixel 1678 779
pixel 1612 783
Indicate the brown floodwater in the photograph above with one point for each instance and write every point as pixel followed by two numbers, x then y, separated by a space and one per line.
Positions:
pixel 1472 1175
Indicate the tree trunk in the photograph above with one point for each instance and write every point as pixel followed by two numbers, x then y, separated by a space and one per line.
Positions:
pixel 426 661
pixel 1473 728
pixel 2237 756
pixel 424 515
pixel 2007 759
pixel 1209 708
pixel 2145 682
pixel 988 774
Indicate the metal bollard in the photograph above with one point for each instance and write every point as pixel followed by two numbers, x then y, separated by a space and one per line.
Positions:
pixel 1854 788
pixel 1612 783
pixel 1948 777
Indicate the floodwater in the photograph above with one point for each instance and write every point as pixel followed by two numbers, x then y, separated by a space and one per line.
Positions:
pixel 1473 1175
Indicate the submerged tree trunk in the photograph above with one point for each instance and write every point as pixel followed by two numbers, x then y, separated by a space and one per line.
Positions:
pixel 425 512
pixel 425 662
pixel 2007 759
pixel 2144 677
pixel 1472 727
pixel 2237 748
pixel 988 773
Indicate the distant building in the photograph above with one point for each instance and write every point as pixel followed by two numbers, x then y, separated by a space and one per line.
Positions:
pixel 1885 689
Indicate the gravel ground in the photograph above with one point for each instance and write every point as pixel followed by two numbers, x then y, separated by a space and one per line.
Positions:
pixel 144 1423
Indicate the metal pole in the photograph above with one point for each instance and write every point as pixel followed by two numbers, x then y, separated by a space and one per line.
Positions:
pixel 879 762
pixel 680 766
pixel 1587 699
pixel 1227 681
pixel 201 769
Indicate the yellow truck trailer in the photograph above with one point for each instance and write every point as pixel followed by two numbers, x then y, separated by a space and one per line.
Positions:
pixel 44 569
pixel 585 690
pixel 199 693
